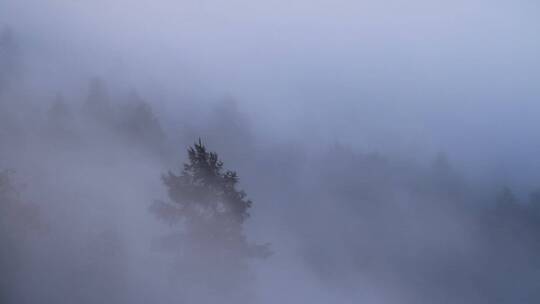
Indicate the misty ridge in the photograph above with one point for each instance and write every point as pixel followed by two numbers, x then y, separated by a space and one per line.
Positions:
pixel 103 200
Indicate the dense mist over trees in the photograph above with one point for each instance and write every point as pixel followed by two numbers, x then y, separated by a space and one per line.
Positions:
pixel 115 189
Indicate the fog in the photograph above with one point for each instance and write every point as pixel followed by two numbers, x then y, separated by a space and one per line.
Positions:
pixel 388 149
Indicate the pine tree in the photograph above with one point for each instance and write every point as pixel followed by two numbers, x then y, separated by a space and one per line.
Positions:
pixel 97 105
pixel 505 198
pixel 206 200
pixel 60 120
pixel 138 123
pixel 212 247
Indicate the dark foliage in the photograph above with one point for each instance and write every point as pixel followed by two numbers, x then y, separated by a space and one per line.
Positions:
pixel 206 200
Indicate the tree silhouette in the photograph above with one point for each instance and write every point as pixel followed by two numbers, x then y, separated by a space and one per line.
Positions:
pixel 205 199
pixel 60 119
pixel 9 57
pixel 138 123
pixel 505 198
pixel 212 247
pixel 97 105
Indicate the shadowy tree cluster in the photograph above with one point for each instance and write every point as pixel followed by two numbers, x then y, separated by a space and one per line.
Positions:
pixel 19 220
pixel 130 121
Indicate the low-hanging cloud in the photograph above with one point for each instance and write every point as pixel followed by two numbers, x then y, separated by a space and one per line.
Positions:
pixel 388 147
